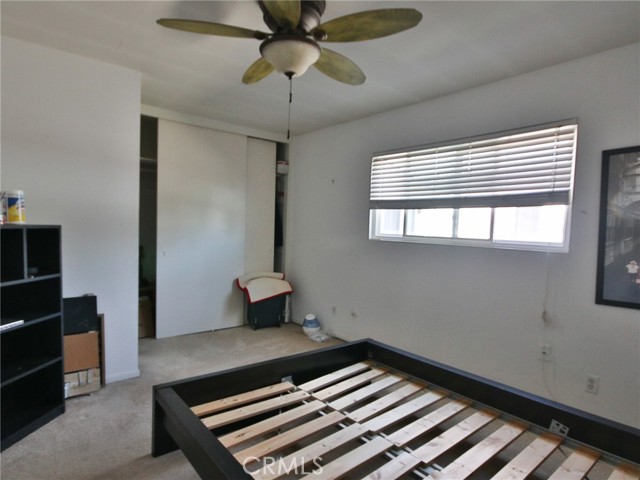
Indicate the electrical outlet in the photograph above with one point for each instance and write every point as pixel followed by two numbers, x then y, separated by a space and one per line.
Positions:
pixel 557 427
pixel 544 353
pixel 593 384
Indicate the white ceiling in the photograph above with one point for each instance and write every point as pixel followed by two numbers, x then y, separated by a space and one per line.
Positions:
pixel 458 45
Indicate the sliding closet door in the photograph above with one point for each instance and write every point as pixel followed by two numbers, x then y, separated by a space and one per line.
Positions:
pixel 261 206
pixel 201 228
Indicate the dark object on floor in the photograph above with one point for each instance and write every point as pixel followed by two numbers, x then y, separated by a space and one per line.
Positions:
pixel 267 313
pixel 80 314
pixel 266 294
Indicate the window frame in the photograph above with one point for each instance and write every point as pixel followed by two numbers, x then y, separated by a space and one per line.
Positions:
pixel 404 237
pixel 471 242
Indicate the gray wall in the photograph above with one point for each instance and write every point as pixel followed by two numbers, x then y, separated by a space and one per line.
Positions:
pixel 477 309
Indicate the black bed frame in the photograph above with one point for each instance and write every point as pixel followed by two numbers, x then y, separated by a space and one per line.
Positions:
pixel 175 426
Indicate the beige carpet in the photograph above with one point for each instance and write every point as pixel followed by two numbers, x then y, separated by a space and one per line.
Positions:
pixel 107 435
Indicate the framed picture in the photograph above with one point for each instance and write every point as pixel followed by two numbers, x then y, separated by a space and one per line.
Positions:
pixel 618 276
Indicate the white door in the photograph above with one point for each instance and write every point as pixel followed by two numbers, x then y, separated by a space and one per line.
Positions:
pixel 202 176
pixel 261 206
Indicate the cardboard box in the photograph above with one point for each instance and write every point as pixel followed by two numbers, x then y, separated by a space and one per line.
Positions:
pixel 81 352
pixel 146 326
pixel 83 382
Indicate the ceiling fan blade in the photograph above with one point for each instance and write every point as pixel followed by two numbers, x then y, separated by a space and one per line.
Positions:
pixel 367 25
pixel 339 68
pixel 211 28
pixel 257 71
pixel 285 12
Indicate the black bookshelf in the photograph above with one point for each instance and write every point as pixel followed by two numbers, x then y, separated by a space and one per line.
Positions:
pixel 32 362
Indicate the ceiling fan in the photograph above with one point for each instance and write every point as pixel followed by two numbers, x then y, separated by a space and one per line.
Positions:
pixel 292 45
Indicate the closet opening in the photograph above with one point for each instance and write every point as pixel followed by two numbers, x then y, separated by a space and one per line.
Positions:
pixel 148 226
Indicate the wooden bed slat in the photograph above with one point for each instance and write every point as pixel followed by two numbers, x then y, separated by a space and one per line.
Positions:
pixel 625 472
pixel 365 392
pixel 576 466
pixel 348 384
pixel 315 451
pixel 482 452
pixel 454 435
pixel 248 411
pixel 429 421
pixel 351 460
pixel 278 442
pixel 403 463
pixel 270 424
pixel 407 461
pixel 523 464
pixel 241 399
pixel 367 411
pixel 325 380
pixel 402 411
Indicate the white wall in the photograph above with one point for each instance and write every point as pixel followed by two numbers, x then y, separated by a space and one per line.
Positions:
pixel 70 140
pixel 473 308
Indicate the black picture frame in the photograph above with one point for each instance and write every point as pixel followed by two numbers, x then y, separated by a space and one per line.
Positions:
pixel 619 234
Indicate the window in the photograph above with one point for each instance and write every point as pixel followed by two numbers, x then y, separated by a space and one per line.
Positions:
pixel 505 190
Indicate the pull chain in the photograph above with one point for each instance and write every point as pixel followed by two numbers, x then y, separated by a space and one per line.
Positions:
pixel 290 101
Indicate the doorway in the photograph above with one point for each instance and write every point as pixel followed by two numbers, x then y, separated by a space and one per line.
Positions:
pixel 206 217
pixel 148 226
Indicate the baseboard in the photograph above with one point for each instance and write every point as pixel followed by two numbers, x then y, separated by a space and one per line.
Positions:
pixel 117 377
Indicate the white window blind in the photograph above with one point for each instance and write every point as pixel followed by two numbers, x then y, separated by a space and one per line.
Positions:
pixel 526 167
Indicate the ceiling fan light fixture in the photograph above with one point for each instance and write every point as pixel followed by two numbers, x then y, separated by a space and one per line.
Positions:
pixel 291 54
